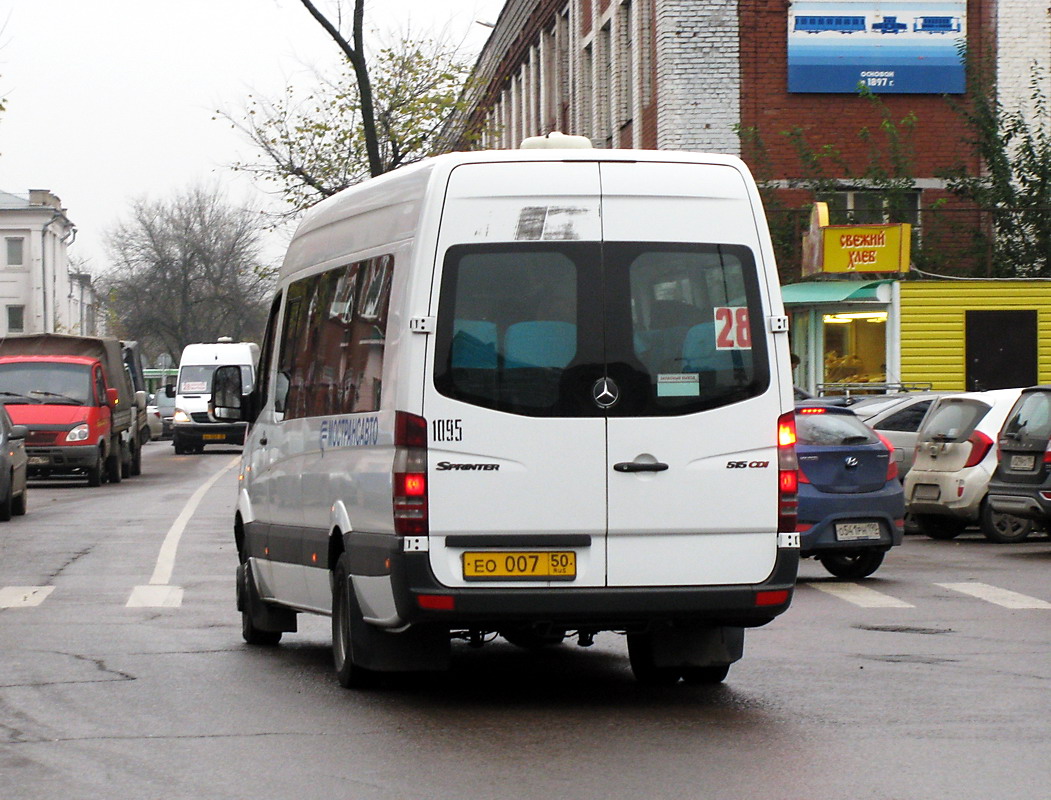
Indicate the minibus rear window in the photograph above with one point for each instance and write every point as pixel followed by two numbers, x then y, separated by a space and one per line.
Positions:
pixel 529 328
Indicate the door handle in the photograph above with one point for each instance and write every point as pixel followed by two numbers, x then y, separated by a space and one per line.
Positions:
pixel 640 466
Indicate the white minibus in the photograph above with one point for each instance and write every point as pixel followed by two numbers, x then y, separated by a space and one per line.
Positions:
pixel 540 394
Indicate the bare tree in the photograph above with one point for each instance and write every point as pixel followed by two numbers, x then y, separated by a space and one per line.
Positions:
pixel 356 125
pixel 186 270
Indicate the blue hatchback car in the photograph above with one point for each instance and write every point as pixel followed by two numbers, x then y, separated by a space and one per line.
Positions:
pixel 851 503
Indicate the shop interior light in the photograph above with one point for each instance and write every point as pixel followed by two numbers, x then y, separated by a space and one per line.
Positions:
pixel 852 316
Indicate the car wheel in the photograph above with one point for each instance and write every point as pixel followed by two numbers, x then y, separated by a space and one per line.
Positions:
pixel 941 527
pixel 248 602
pixel 852 565
pixel 7 503
pixel 1004 528
pixel 136 458
pixel 95 472
pixel 114 467
pixel 346 616
pixel 701 676
pixel 640 654
pixel 21 503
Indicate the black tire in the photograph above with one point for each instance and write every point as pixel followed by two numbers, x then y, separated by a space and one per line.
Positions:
pixel 95 472
pixel 640 654
pixel 1004 528
pixel 940 527
pixel 702 676
pixel 136 457
pixel 852 564
pixel 346 616
pixel 7 503
pixel 21 503
pixel 179 449
pixel 248 602
pixel 114 467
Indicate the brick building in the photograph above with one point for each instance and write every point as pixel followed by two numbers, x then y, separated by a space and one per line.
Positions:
pixel 764 79
pixel 717 75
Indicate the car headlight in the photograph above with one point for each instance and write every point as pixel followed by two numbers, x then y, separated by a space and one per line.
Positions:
pixel 180 416
pixel 78 434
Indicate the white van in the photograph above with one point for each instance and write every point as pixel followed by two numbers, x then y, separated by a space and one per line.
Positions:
pixel 531 393
pixel 192 426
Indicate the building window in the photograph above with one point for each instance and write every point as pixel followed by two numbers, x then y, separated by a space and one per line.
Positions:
pixel 15 251
pixel 16 316
pixel 872 207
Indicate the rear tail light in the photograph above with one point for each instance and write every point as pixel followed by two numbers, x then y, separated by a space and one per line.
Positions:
pixel 1047 453
pixel 892 465
pixel 410 475
pixel 787 474
pixel 980 445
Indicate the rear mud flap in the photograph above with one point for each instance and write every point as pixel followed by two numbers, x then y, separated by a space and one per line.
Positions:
pixel 692 645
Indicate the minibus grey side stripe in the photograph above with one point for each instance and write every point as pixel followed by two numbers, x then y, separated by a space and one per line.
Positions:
pixel 522 540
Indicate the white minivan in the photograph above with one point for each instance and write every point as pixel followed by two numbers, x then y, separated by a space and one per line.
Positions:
pixel 192 426
pixel 540 394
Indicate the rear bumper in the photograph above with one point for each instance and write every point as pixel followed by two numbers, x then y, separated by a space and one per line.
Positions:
pixel 597 608
pixel 1029 505
pixel 948 497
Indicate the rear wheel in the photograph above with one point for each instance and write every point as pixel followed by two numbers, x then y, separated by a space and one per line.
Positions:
pixel 21 503
pixel 346 619
pixel 136 457
pixel 113 467
pixel 7 502
pixel 248 602
pixel 852 565
pixel 700 676
pixel 1004 528
pixel 640 654
pixel 941 527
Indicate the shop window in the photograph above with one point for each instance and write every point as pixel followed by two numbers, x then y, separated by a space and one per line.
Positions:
pixel 855 344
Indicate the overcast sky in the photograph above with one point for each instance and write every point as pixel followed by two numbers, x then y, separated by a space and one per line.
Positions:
pixel 112 100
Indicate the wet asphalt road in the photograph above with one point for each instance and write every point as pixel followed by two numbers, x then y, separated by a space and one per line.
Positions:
pixel 924 686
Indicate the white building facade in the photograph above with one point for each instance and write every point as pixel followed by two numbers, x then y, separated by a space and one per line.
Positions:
pixel 40 291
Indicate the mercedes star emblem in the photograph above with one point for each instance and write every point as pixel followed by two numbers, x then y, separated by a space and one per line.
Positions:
pixel 605 393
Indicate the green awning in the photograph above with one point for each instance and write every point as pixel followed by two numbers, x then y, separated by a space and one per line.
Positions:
pixel 816 292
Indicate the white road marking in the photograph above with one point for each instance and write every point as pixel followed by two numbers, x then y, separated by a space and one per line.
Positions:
pixel 23 596
pixel 860 595
pixel 159 594
pixel 993 594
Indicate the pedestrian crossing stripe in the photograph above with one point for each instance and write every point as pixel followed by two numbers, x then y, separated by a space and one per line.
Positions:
pixel 993 594
pixel 860 595
pixel 23 596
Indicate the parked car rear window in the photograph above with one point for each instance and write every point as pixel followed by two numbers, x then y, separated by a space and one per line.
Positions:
pixel 1030 420
pixel 832 430
pixel 953 420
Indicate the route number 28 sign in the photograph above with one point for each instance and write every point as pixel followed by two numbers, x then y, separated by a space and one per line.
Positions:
pixel 732 331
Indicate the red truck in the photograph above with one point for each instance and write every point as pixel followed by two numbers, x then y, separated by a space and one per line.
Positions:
pixel 75 396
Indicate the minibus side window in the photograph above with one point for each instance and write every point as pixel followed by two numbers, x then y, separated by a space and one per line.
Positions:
pixel 332 342
pixel 266 354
